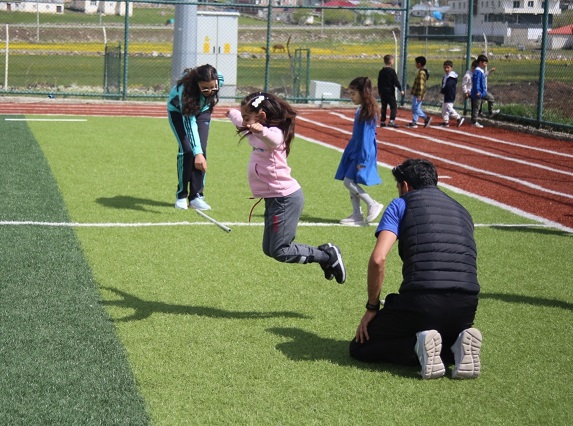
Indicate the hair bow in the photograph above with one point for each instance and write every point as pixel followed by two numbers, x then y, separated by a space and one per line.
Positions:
pixel 257 101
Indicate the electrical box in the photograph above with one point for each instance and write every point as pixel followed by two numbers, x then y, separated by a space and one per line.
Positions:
pixel 217 42
pixel 202 37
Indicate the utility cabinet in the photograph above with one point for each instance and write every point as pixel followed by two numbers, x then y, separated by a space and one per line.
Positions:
pixel 217 43
pixel 202 37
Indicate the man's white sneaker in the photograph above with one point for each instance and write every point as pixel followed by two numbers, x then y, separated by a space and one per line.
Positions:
pixel 478 125
pixel 460 121
pixel 181 203
pixel 198 203
pixel 353 220
pixel 428 347
pixel 466 351
pixel 373 211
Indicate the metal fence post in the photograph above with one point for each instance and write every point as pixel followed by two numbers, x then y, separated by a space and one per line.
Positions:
pixel 541 91
pixel 125 47
pixel 268 48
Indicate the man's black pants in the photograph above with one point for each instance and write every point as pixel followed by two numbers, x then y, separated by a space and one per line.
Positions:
pixel 393 331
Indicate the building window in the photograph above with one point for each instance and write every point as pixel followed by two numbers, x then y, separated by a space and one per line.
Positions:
pixel 516 4
pixel 529 4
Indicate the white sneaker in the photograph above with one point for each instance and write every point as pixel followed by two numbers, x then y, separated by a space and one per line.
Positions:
pixel 478 125
pixel 198 203
pixel 353 220
pixel 373 211
pixel 428 347
pixel 466 351
pixel 181 203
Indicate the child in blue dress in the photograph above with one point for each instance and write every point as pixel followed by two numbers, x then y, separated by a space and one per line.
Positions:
pixel 358 165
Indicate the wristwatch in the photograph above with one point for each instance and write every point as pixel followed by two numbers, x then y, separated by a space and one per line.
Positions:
pixel 371 307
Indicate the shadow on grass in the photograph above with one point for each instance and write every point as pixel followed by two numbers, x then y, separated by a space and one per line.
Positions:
pixel 311 219
pixel 527 300
pixel 303 218
pixel 144 309
pixel 131 203
pixel 306 346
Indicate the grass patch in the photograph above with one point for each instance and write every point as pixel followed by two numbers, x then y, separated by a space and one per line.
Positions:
pixel 216 333
pixel 62 362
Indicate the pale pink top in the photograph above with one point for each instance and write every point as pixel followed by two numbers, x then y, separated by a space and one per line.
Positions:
pixel 268 171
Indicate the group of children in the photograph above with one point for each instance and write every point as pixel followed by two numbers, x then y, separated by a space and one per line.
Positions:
pixel 474 86
pixel 267 122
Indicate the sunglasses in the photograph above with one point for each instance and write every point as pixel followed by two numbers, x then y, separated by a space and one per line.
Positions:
pixel 211 89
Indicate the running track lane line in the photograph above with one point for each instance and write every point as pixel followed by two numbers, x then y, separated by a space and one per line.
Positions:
pixel 450 162
pixel 522 213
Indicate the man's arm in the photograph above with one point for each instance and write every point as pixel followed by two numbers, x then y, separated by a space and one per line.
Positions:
pixel 376 268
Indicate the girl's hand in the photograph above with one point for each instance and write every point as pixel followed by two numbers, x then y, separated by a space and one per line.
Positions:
pixel 255 127
pixel 201 162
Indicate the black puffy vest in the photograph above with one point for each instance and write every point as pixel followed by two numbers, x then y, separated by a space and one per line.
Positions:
pixel 436 244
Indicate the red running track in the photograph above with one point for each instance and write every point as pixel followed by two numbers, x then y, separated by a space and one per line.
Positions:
pixel 527 172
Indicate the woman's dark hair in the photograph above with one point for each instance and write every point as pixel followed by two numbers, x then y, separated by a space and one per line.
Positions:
pixel 417 172
pixel 278 113
pixel 192 93
pixel 370 109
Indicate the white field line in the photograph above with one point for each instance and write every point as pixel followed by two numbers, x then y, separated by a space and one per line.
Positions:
pixel 46 119
pixel 445 160
pixel 544 224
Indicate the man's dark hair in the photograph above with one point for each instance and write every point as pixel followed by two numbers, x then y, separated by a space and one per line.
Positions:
pixel 417 172
pixel 421 60
pixel 449 63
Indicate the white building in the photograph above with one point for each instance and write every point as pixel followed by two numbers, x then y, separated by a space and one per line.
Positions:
pixel 561 38
pixel 41 6
pixel 103 7
pixel 503 21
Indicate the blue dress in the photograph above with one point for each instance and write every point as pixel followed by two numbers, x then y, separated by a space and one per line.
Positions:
pixel 361 149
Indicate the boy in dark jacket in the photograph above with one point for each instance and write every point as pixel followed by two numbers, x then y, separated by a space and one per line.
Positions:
pixel 387 85
pixel 449 84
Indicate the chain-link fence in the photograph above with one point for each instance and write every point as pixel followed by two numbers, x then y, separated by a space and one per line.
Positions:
pixel 306 53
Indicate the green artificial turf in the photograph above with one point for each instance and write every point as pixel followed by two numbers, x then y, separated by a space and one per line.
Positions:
pixel 217 333
pixel 60 359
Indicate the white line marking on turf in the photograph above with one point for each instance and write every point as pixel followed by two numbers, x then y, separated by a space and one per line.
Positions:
pixel 45 119
pixel 544 224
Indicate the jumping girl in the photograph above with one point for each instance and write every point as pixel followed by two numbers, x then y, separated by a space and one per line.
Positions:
pixel 268 123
